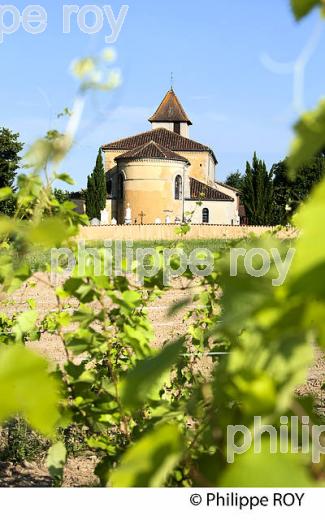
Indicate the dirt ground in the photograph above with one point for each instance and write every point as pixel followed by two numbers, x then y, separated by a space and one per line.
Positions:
pixel 79 470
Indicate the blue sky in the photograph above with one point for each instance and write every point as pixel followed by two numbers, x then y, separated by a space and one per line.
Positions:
pixel 219 52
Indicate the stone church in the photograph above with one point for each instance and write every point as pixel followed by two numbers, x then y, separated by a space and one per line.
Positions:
pixel 161 175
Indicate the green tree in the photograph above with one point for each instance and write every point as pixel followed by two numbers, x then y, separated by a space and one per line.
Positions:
pixel 257 193
pixel 91 208
pixel 289 193
pixel 10 148
pixel 96 189
pixel 235 180
pixel 61 195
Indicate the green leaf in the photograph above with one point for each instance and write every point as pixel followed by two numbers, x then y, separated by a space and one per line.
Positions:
pixel 51 232
pixel 5 193
pixel 310 252
pixel 55 461
pixel 25 323
pixel 149 462
pixel 149 376
pixel 131 298
pixel 27 388
pixel 266 470
pixel 83 67
pixel 184 229
pixel 7 225
pixel 301 8
pixel 310 138
pixel 138 337
pixel 64 177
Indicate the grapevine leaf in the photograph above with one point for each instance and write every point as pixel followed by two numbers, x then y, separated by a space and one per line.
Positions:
pixel 283 470
pixel 149 462
pixel 310 138
pixel 65 177
pixel 27 388
pixel 310 252
pixel 7 225
pixel 51 232
pixel 55 461
pixel 5 193
pixel 149 376
pixel 25 323
pixel 303 7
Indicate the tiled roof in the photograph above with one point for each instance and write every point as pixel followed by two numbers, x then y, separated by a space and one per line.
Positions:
pixel 170 109
pixel 200 191
pixel 151 150
pixel 163 137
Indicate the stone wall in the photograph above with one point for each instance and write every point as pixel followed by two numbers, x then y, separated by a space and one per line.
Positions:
pixel 168 232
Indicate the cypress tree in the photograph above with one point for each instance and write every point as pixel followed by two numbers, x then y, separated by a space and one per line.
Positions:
pixel 90 199
pixel 100 182
pixel 96 189
pixel 258 193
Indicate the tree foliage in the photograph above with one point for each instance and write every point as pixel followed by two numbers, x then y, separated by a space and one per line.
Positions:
pixel 10 148
pixel 290 193
pixel 257 192
pixel 96 190
pixel 235 180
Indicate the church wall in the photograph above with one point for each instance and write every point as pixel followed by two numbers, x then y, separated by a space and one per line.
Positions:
pixel 167 126
pixel 202 166
pixel 168 232
pixel 109 159
pixel 220 212
pixel 185 130
pixel 229 192
pixel 170 126
pixel 149 188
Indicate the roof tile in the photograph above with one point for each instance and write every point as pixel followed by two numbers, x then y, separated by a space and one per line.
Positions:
pixel 163 137
pixel 200 191
pixel 151 150
pixel 170 109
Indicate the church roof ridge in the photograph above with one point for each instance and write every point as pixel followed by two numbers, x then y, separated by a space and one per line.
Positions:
pixel 170 110
pixel 151 150
pixel 163 137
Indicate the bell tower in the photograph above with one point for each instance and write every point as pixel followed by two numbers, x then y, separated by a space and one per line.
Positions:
pixel 171 115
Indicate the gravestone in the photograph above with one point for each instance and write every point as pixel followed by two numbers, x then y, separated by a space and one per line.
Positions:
pixel 128 215
pixel 104 217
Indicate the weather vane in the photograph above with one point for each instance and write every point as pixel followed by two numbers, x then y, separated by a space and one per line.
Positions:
pixel 172 80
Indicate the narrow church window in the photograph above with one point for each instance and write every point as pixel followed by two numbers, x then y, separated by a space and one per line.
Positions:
pixel 178 188
pixel 205 216
pixel 109 188
pixel 121 187
pixel 177 127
